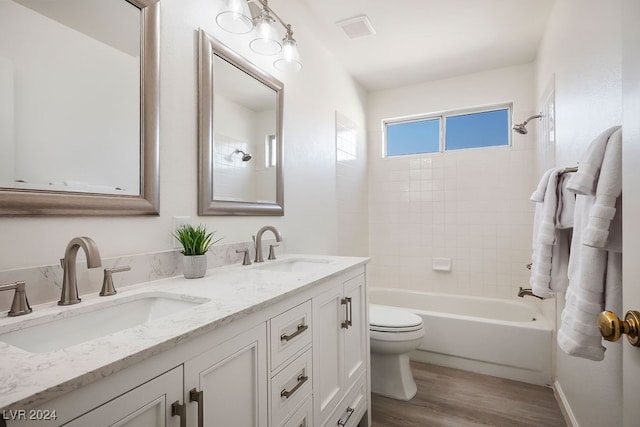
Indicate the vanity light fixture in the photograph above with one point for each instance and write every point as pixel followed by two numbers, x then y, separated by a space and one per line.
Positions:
pixel 265 40
pixel 236 18
pixel 290 58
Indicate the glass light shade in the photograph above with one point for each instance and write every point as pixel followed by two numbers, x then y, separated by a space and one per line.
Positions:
pixel 289 61
pixel 235 18
pixel 266 40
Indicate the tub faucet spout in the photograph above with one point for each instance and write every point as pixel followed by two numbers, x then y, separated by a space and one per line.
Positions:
pixel 522 292
pixel 258 240
pixel 69 293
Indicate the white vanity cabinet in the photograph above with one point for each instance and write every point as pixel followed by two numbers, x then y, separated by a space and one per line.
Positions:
pixel 149 405
pixel 227 385
pixel 300 360
pixel 339 345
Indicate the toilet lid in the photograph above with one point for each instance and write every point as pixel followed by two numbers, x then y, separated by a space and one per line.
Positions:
pixel 390 319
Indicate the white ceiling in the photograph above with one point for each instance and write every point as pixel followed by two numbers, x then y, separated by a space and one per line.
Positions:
pixel 421 40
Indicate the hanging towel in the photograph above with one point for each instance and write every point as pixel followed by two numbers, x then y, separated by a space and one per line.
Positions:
pixel 584 181
pixel 550 246
pixel 608 192
pixel 566 202
pixel 595 273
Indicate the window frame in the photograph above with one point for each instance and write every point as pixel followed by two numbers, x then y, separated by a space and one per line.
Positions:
pixel 442 117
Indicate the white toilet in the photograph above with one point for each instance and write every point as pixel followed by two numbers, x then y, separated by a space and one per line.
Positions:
pixel 394 334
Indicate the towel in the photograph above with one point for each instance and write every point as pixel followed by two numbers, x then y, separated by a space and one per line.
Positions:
pixel 585 180
pixel 595 265
pixel 550 257
pixel 608 192
pixel 566 202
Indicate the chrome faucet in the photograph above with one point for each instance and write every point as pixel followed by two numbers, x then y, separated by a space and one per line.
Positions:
pixel 69 281
pixel 258 240
pixel 20 304
pixel 522 292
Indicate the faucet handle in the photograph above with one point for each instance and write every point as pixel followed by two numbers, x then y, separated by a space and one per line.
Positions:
pixel 246 259
pixel 107 284
pixel 272 253
pixel 20 304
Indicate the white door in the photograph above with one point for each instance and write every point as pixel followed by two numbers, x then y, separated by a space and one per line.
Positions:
pixel 631 202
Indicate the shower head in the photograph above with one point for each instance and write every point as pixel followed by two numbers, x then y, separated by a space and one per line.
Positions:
pixel 521 128
pixel 245 156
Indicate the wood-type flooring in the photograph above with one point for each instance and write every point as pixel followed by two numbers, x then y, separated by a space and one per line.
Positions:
pixel 453 398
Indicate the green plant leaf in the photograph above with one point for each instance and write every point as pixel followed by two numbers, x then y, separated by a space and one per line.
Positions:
pixel 195 240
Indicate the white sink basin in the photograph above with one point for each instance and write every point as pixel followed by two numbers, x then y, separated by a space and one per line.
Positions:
pixel 295 265
pixel 100 320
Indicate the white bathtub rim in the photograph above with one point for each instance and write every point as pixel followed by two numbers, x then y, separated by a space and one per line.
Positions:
pixel 540 322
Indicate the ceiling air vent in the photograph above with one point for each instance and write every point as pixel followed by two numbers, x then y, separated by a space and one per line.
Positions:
pixel 357 27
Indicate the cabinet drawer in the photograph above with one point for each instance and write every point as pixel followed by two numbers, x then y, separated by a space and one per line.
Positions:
pixel 290 333
pixel 351 408
pixel 290 387
pixel 302 417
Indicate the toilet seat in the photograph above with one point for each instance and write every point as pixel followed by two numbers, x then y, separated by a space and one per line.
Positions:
pixel 392 320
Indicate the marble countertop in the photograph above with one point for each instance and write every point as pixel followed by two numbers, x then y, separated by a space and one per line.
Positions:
pixel 225 293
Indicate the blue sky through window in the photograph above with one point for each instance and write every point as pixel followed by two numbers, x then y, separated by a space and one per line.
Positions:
pixel 468 130
pixel 413 137
pixel 486 129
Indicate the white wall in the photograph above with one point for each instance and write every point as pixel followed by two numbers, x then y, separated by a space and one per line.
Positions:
pixel 582 48
pixel 46 77
pixel 311 99
pixel 468 205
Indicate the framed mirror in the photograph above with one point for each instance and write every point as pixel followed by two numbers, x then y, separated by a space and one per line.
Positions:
pixel 79 107
pixel 240 134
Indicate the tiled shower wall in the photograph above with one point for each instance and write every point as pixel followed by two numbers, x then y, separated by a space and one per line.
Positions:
pixel 471 206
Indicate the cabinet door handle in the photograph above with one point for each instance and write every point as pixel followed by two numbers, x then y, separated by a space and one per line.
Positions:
pixel 348 312
pixel 288 393
pixel 301 328
pixel 344 422
pixel 198 396
pixel 180 410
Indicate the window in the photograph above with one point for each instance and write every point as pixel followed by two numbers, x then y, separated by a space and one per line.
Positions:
pixel 270 151
pixel 448 131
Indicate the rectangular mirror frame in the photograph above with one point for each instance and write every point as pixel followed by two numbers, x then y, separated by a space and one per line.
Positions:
pixel 24 202
pixel 207 205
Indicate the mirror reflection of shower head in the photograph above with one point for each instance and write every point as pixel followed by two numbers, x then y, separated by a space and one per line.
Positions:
pixel 521 128
pixel 245 156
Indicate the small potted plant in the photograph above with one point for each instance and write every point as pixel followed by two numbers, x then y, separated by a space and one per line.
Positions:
pixel 195 241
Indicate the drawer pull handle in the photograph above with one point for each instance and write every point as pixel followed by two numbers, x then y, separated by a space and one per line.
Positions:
pixel 344 422
pixel 198 396
pixel 348 312
pixel 301 328
pixel 180 410
pixel 288 393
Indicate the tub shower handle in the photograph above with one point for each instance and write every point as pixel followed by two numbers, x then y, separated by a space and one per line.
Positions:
pixel 348 312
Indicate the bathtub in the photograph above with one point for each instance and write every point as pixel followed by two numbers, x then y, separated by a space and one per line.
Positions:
pixel 504 338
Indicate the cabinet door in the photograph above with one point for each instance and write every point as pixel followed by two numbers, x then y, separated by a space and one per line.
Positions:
pixel 356 334
pixel 148 405
pixel 328 349
pixel 233 379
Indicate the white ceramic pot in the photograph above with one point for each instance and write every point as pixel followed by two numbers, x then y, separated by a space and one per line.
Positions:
pixel 194 266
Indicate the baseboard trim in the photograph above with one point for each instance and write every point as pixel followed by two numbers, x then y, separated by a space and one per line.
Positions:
pixel 565 408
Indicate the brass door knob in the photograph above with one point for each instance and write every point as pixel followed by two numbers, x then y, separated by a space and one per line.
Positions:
pixel 611 327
